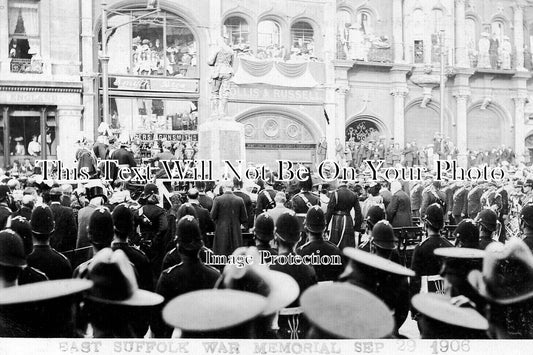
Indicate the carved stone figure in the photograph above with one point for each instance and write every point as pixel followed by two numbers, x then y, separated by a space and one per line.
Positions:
pixel 484 46
pixel 222 62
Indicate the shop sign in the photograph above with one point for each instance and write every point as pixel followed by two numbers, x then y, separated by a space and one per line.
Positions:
pixel 272 94
pixel 164 84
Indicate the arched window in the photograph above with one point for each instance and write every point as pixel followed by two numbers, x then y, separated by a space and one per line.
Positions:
pixel 471 40
pixel 237 30
pixel 268 34
pixel 302 38
pixel 438 20
pixel 161 44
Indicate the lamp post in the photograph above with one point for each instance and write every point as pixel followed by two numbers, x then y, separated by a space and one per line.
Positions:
pixel 153 6
pixel 441 88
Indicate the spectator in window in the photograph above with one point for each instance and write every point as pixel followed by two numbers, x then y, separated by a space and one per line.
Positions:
pixel 34 148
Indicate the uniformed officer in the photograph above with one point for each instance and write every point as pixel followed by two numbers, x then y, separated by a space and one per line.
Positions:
pixel 305 199
pixel 153 224
pixel 467 234
pixel 424 261
pixel 43 257
pixel 263 235
pixel 115 306
pixel 12 258
pixel 341 310
pixel 190 275
pixel 66 231
pixel 343 227
pixel 443 317
pixel 315 225
pixel 487 222
pixel 373 216
pixel 265 198
pixel 380 272
pixel 123 226
pixel 526 225
pixel 432 194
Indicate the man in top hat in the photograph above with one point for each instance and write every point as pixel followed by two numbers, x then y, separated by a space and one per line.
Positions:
pixel 45 258
pixel 65 233
pixel 343 227
pixel 287 235
pixel 5 209
pixel 97 197
pixel 239 192
pixel 305 199
pixel 115 306
pixel 100 233
pixel 265 198
pixel 123 225
pixel 526 225
pixel 424 261
pixel 229 213
pixel 215 314
pixel 506 283
pixel 487 221
pixel 263 235
pixel 334 314
pixel 443 317
pixel 190 275
pixel 207 225
pixel 315 225
pixel 379 271
pixel 153 224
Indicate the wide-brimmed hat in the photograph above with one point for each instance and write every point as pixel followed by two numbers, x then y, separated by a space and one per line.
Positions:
pixel 279 288
pixel 347 311
pixel 42 291
pixel 455 311
pixel 507 273
pixel 210 310
pixel 115 282
pixel 377 262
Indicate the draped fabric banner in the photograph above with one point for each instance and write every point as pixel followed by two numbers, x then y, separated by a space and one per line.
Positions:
pixel 297 74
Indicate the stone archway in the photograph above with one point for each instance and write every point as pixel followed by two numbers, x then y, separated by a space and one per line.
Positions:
pixel 363 129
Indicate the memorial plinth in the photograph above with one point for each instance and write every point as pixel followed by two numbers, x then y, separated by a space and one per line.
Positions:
pixel 220 140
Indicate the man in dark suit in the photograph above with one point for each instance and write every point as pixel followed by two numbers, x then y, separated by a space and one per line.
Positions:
pixel 45 258
pixel 343 227
pixel 66 231
pixel 202 214
pixel 123 156
pixel 459 207
pixel 237 190
pixel 416 198
pixel 399 209
pixel 228 213
pixel 205 201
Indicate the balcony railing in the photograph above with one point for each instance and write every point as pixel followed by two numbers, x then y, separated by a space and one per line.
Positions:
pixel 33 66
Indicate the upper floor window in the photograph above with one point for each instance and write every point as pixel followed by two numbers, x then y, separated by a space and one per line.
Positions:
pixel 268 35
pixel 24 36
pixel 438 21
pixel 302 39
pixel 161 44
pixel 237 30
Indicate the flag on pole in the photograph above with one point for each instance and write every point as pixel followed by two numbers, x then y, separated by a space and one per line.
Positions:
pixel 326 115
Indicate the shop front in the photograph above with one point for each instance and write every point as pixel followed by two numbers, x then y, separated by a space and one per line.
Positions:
pixel 154 82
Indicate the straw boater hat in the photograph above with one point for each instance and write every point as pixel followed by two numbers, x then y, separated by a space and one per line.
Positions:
pixel 115 282
pixel 42 291
pixel 507 274
pixel 455 311
pixel 210 310
pixel 347 311
pixel 377 262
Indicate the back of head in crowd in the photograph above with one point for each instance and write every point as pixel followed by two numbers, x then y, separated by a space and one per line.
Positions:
pixel 42 223
pixel 189 237
pixel 434 219
pixel 122 222
pixel 287 231
pixel 100 230
pixel 12 258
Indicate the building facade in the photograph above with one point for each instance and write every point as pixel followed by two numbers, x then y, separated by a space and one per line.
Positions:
pixel 303 71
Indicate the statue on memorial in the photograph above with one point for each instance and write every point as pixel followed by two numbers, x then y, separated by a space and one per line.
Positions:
pixel 321 150
pixel 222 62
pixel 484 46
pixel 506 53
pixel 494 51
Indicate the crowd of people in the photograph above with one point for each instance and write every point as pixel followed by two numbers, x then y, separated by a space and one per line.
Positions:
pixel 266 258
pixel 354 153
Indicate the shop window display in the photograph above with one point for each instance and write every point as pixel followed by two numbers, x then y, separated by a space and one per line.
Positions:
pixel 161 45
pixel 25 136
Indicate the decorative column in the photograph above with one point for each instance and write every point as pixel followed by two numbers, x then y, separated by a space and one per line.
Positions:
pixel 518 28
pixel 397 31
pixel 461 55
pixel 5 118
pixel 68 120
pixel 398 130
pixel 519 125
pixel 43 132
pixel 461 97
pixel 340 119
pixel 91 115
